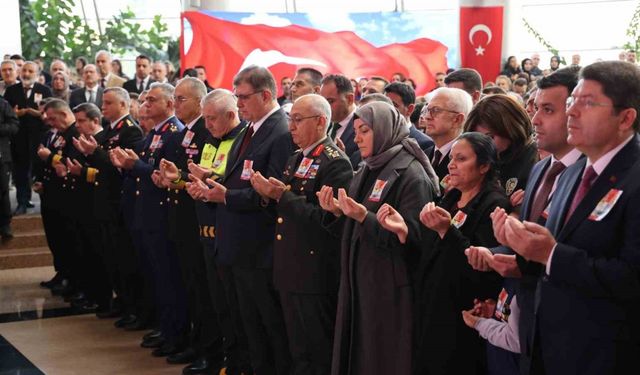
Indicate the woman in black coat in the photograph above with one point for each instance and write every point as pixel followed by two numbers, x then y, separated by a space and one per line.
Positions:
pixel 374 320
pixel 445 283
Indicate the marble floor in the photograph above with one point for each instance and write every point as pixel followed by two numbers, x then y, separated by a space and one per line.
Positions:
pixel 39 334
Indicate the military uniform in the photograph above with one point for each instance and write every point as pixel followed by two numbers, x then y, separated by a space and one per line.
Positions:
pixel 306 257
pixel 151 231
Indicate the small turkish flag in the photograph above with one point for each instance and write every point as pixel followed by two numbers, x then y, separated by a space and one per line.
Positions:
pixel 481 39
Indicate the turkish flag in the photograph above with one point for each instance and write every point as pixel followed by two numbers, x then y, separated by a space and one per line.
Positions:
pixel 224 47
pixel 481 39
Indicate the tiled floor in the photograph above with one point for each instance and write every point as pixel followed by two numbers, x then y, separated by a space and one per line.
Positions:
pixel 33 343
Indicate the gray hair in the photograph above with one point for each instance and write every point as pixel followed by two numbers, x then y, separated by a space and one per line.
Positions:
pixel 459 100
pixel 102 51
pixel 32 63
pixel 165 89
pixel 196 87
pixel 222 99
pixel 318 104
pixel 121 94
pixel 10 62
pixel 259 78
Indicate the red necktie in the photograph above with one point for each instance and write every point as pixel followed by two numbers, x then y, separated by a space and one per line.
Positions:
pixel 542 199
pixel 587 180
pixel 246 140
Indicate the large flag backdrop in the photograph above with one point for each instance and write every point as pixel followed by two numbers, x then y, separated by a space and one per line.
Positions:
pixel 224 46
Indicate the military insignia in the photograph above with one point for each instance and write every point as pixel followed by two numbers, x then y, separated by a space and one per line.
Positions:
pixel 173 128
pixel 378 188
pixel 114 138
pixel 502 307
pixel 313 170
pixel 152 161
pixel 186 141
pixel 156 142
pixel 246 170
pixel 318 150
pixel 510 185
pixel 605 205
pixel 444 183
pixel 59 143
pixel 303 168
pixel 458 219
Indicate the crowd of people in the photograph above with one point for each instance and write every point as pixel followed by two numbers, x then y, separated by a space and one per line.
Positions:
pixel 346 226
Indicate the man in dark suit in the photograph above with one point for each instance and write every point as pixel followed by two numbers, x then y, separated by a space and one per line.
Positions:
pixel 306 256
pixel 586 299
pixel 24 97
pixel 142 79
pixel 404 98
pixel 338 91
pixel 443 119
pixel 246 222
pixel 91 92
pixel 8 128
pixel 466 79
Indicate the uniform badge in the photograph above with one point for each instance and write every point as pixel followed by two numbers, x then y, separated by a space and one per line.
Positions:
pixel 305 164
pixel 37 97
pixel 155 142
pixel 378 188
pixel 219 160
pixel 458 219
pixel 510 185
pixel 444 183
pixel 502 308
pixel 186 141
pixel 605 205
pixel 246 170
pixel 152 161
pixel 313 170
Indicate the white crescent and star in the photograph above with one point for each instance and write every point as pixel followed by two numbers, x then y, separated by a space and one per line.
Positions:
pixel 480 28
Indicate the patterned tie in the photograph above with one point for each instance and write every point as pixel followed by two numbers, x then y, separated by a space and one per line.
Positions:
pixel 590 175
pixel 542 199
pixel 246 140
pixel 103 83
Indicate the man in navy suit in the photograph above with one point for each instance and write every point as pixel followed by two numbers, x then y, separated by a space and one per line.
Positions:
pixel 91 92
pixel 246 221
pixel 404 98
pixel 338 91
pixel 588 293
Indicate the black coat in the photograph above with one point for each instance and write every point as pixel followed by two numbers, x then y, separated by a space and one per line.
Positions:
pixel 32 128
pixel 514 167
pixel 306 255
pixel 78 96
pixel 374 322
pixel 8 128
pixel 132 85
pixel 446 284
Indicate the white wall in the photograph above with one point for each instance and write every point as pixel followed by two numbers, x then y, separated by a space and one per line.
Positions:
pixel 10 28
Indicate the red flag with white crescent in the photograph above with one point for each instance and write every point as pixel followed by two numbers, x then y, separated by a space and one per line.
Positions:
pixel 224 47
pixel 481 38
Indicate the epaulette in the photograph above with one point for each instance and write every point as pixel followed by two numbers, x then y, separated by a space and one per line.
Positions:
pixel 128 122
pixel 331 152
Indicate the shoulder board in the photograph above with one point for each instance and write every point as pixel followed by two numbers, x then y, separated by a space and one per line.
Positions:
pixel 128 122
pixel 331 152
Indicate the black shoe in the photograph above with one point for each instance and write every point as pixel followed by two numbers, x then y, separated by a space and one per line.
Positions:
pixel 57 279
pixel 165 350
pixel 203 366
pixel 127 319
pixel 20 210
pixel 186 356
pixel 137 325
pixel 5 233
pixel 153 334
pixel 155 342
pixel 62 289
pixel 30 204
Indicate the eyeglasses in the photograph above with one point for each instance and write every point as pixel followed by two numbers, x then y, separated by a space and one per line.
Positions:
pixel 244 97
pixel 297 120
pixel 585 102
pixel 434 111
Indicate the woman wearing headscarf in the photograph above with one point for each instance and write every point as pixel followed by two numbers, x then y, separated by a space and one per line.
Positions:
pixel 60 86
pixel 446 284
pixel 554 63
pixel 511 68
pixel 374 319
pixel 507 123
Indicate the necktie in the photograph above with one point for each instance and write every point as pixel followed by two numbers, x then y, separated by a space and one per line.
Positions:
pixel 334 130
pixel 103 83
pixel 141 86
pixel 246 140
pixel 542 199
pixel 92 96
pixel 437 156
pixel 587 180
pixel 26 91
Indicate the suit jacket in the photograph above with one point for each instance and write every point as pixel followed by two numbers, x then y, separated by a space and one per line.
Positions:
pixel 78 96
pixel 424 141
pixel 246 224
pixel 183 223
pixel 114 81
pixel 350 147
pixel 446 284
pixel 375 272
pixel 306 255
pixel 150 210
pixel 31 128
pixel 8 128
pixel 586 309
pixel 442 169
pixel 132 85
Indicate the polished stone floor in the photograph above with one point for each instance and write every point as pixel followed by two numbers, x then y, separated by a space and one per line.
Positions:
pixel 39 334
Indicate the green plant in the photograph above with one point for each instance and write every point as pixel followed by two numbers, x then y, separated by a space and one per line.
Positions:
pixel 543 41
pixel 633 33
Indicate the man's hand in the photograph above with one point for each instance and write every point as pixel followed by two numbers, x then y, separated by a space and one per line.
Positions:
pixel 198 171
pixel 498 219
pixel 517 197
pixel 158 180
pixel 196 188
pixel 86 145
pixel 43 153
pixel 216 193
pixel 532 241
pixel 169 170
pixel 478 258
pixel 124 159
pixel 37 187
pixel 350 207
pixel 61 169
pixel 74 167
pixel 19 112
pixel 271 188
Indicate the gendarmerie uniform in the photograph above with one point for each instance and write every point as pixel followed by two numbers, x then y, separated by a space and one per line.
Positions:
pixel 151 230
pixel 215 154
pixel 205 336
pixel 306 256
